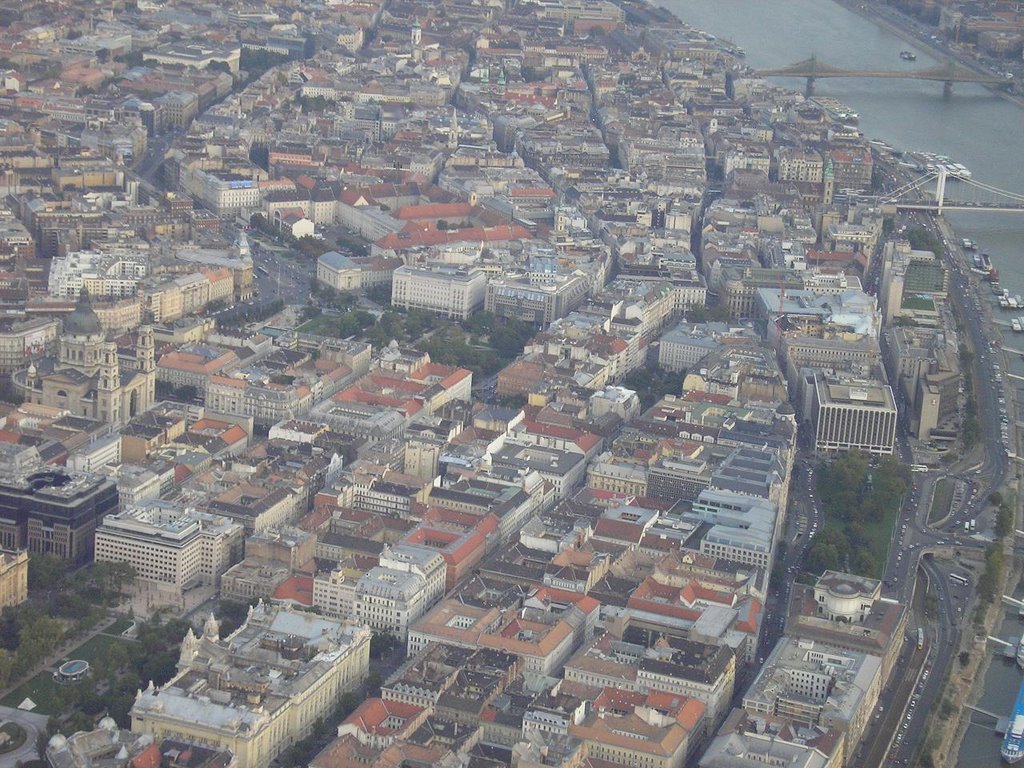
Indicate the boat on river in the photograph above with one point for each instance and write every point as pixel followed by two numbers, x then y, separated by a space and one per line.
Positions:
pixel 1012 749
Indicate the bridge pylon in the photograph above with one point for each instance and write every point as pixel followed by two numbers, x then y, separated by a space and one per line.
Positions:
pixel 940 188
pixel 809 88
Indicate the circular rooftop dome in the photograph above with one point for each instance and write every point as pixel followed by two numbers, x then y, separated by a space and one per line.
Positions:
pixel 107 723
pixel 83 320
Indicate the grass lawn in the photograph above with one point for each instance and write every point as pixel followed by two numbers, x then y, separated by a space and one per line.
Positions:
pixel 324 325
pixel 96 648
pixel 42 689
pixel 879 534
pixel 941 500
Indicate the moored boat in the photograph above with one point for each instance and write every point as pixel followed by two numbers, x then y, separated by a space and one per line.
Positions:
pixel 1012 749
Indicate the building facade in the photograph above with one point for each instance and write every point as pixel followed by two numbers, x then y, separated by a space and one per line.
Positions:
pixel 13 577
pixel 169 544
pixel 87 378
pixel 259 690
pixel 48 510
pixel 453 291
pixel 854 416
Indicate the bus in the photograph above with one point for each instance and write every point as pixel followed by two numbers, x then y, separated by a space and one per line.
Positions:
pixel 263 270
pixel 956 578
pixel 920 638
pixel 918 468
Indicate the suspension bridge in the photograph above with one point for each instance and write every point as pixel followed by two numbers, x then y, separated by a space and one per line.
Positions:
pixel 813 69
pixel 951 193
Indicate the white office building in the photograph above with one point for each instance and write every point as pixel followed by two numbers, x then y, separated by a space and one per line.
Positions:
pixel 170 544
pixel 854 415
pixel 455 291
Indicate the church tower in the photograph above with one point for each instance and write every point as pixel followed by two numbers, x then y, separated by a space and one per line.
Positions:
pixel 417 40
pixel 147 366
pixel 108 386
pixel 453 131
pixel 830 182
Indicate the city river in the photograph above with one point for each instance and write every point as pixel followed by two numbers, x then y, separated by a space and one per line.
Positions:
pixel 973 127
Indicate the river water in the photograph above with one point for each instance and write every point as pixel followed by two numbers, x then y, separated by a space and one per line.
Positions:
pixel 973 127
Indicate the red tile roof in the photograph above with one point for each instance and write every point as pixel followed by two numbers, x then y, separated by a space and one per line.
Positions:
pixel 298 589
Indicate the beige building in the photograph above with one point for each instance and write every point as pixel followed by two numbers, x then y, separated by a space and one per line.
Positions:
pixel 259 690
pixel 194 364
pixel 799 164
pixel 169 544
pixel 13 577
pixel 689 668
pixel 652 730
pixel 23 342
pixel 121 315
pixel 453 291
pixel 334 591
pixel 810 681
pixel 540 634
pixel 849 612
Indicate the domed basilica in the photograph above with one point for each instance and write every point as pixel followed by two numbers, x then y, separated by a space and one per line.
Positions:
pixel 90 376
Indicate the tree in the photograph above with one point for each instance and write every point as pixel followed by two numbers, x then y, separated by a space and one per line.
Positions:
pixel 42 739
pixel 373 682
pixel 381 644
pixel 821 556
pixel 45 572
pixel 865 562
pixel 650 386
pixel 921 239
pixel 6 668
pixel 39 639
pixel 1004 521
pixel 379 293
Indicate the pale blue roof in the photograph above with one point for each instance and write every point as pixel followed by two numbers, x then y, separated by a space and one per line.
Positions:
pixel 335 260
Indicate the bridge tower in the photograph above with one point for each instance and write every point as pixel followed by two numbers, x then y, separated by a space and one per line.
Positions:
pixel 809 89
pixel 947 85
pixel 940 189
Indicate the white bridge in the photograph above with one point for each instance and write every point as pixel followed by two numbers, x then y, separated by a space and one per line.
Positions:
pixel 951 193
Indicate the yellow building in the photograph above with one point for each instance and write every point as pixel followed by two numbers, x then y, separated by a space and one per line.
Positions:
pixel 13 577
pixel 259 690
